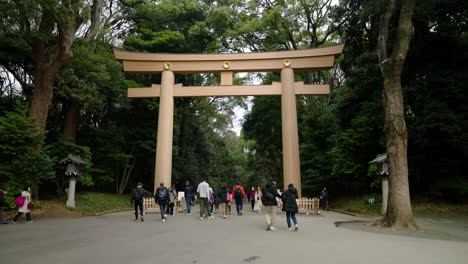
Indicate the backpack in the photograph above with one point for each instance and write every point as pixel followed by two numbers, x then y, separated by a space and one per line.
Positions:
pixel 19 201
pixel 162 195
pixel 238 193
pixel 137 195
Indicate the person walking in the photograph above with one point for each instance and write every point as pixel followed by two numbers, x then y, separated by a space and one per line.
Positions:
pixel 162 198
pixel 25 208
pixel 289 197
pixel 203 191
pixel 211 199
pixel 223 198
pixel 324 199
pixel 269 195
pixel 258 202
pixel 252 198
pixel 229 199
pixel 238 194
pixel 172 199
pixel 3 203
pixel 188 194
pixel 137 199
pixel 217 202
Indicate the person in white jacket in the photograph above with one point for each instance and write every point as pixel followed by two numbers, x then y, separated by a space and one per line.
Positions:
pixel 24 209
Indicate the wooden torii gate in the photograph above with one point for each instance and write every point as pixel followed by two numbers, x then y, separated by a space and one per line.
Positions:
pixel 284 61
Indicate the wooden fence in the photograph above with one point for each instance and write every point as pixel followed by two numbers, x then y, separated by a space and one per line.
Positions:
pixel 150 205
pixel 306 205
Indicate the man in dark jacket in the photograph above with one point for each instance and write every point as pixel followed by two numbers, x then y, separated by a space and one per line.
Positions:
pixel 162 198
pixel 324 199
pixel 188 194
pixel 137 198
pixel 269 195
pixel 2 204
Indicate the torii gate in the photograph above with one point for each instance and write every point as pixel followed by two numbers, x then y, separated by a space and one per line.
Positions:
pixel 283 61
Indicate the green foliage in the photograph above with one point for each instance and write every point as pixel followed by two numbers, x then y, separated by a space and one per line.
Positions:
pixel 21 162
pixel 59 150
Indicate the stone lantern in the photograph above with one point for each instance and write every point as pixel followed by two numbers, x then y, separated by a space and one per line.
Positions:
pixel 73 162
pixel 382 170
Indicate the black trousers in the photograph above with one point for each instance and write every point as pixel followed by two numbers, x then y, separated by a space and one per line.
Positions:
pixel 170 209
pixel 28 216
pixel 138 204
pixel 252 203
pixel 162 209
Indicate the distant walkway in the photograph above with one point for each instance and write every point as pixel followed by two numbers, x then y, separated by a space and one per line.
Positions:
pixel 183 239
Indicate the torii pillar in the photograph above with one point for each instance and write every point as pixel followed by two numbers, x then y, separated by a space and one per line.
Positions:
pixel 163 169
pixel 291 167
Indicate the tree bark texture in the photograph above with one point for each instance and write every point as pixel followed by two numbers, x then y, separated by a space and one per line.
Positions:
pixel 399 213
pixel 95 19
pixel 72 116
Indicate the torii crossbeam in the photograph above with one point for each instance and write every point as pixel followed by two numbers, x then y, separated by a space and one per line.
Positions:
pixel 284 61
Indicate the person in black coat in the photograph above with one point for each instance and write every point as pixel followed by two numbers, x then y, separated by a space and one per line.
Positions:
pixel 289 197
pixel 137 198
pixel 269 194
pixel 324 199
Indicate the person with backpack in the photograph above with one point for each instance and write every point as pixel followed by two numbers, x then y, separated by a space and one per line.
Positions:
pixel 203 191
pixel 172 199
pixel 238 194
pixel 188 194
pixel 137 198
pixel 25 206
pixel 289 197
pixel 3 203
pixel 162 198
pixel 269 195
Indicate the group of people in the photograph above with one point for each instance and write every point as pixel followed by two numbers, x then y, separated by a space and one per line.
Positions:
pixel 23 202
pixel 265 199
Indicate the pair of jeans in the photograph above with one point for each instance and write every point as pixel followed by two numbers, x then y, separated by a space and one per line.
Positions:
pixel 288 218
pixel 204 209
pixel 162 209
pixel 188 202
pixel 239 205
pixel 138 204
pixel 170 209
pixel 252 203
pixel 28 217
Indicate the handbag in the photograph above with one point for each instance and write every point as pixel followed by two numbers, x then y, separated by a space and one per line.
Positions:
pixel 30 205
pixel 19 201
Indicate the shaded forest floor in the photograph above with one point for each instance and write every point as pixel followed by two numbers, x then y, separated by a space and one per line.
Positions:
pixel 360 206
pixel 89 203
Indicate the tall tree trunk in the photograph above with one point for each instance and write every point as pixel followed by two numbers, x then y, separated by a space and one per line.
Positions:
pixel 95 19
pixel 399 213
pixel 39 108
pixel 72 116
pixel 48 61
